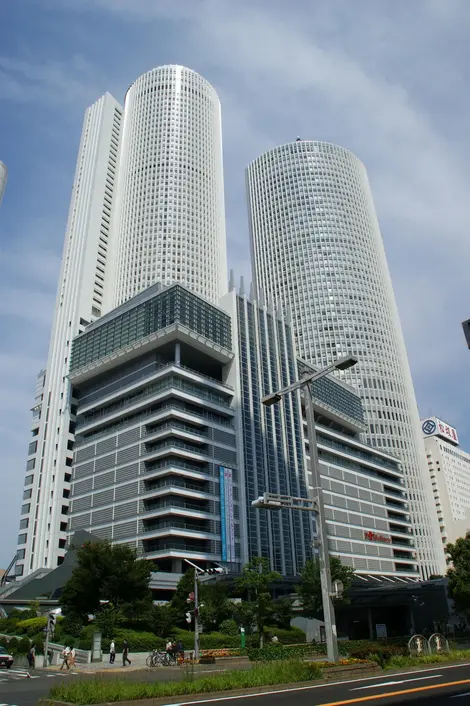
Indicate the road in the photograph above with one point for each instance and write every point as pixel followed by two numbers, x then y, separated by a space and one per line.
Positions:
pixel 425 687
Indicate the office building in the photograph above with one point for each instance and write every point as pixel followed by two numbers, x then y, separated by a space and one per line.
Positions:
pixel 171 214
pixel 3 180
pixel 366 506
pixel 147 205
pixel 317 249
pixel 82 295
pixel 270 437
pixel 156 461
pixel 449 472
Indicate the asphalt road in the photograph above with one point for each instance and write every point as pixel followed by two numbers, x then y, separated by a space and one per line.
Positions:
pixel 425 687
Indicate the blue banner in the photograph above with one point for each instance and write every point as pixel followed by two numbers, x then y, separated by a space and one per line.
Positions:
pixel 223 532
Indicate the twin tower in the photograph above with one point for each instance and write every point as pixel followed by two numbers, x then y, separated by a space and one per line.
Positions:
pixel 148 207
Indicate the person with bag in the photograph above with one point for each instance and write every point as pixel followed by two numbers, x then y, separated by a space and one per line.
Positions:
pixel 65 658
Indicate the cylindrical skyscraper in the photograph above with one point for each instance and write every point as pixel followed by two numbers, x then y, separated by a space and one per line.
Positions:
pixel 3 180
pixel 317 248
pixel 171 220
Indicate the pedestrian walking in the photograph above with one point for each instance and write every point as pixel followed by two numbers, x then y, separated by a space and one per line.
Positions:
pixel 65 658
pixel 125 653
pixel 112 652
pixel 31 657
pixel 180 652
pixel 72 657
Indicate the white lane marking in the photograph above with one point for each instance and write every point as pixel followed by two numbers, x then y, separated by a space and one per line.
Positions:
pixel 394 683
pixel 456 696
pixel 313 686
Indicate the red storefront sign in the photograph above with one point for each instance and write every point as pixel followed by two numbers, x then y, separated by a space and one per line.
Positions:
pixel 374 537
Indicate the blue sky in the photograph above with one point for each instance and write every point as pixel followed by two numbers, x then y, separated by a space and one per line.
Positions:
pixel 388 80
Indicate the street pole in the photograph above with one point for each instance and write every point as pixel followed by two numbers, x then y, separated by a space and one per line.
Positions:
pixel 196 614
pixel 324 557
pixel 46 644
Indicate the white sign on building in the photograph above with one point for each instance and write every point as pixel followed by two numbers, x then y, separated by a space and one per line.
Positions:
pixel 436 427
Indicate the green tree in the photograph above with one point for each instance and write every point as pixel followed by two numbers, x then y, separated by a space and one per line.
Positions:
pixel 162 620
pixel 106 572
pixel 256 580
pixel 179 605
pixel 217 608
pixel 309 588
pixel 108 619
pixel 459 574
pixel 283 612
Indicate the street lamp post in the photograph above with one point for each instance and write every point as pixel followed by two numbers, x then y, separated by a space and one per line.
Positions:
pixel 316 494
pixel 197 606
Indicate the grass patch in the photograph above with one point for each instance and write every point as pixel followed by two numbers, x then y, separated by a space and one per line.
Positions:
pixel 96 692
pixel 398 662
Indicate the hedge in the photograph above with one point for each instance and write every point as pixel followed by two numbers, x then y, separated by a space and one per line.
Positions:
pixel 23 646
pixel 31 626
pixel 287 637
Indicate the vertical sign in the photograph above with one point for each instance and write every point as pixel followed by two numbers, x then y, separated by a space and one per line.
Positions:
pixel 227 516
pixel 223 534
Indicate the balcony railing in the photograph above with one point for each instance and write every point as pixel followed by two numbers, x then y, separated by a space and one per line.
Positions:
pixel 172 382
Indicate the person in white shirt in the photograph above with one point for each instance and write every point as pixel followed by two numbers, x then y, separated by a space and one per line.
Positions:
pixel 65 658
pixel 112 652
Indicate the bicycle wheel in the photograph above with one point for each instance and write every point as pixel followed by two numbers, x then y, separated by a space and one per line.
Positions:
pixel 149 661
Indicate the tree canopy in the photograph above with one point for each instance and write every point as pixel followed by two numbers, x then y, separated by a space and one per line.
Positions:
pixel 256 579
pixel 309 588
pixel 107 572
pixel 459 573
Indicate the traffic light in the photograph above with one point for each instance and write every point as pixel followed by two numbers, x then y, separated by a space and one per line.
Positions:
pixel 188 617
pixel 51 621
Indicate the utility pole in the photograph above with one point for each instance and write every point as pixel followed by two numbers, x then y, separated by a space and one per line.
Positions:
pixel 322 536
pixel 196 614
pixel 49 630
pixel 315 501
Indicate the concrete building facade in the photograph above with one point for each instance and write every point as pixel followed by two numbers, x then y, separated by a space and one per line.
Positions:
pixel 449 472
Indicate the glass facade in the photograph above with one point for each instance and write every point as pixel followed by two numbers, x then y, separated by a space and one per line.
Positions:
pixel 169 306
pixel 272 439
pixel 317 249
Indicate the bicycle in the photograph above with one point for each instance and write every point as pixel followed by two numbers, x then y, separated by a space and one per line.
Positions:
pixel 160 659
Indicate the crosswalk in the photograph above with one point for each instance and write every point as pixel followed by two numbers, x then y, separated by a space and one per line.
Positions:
pixel 19 674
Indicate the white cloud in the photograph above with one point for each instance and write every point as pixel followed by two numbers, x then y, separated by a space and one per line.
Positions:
pixel 387 80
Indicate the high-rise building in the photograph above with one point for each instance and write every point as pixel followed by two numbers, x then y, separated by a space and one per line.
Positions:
pixel 3 180
pixel 317 248
pixel 83 291
pixel 366 506
pixel 449 472
pixel 270 437
pixel 171 214
pixel 147 205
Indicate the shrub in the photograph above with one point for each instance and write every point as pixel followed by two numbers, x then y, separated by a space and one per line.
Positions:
pixel 31 626
pixel 228 627
pixel 91 691
pixel 293 636
pixel 39 645
pixel 208 641
pixel 279 652
pixel 23 646
pixel 13 644
pixel 3 642
pixel 66 640
pixel 138 641
pixel 8 626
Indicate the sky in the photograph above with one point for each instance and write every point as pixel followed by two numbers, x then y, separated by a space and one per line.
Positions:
pixel 387 79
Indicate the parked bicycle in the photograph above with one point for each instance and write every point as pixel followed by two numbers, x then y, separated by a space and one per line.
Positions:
pixel 160 659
